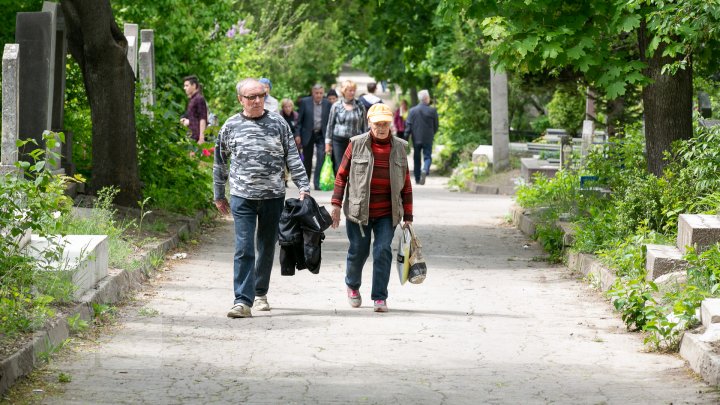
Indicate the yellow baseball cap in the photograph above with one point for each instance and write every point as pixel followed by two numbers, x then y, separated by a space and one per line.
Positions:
pixel 379 112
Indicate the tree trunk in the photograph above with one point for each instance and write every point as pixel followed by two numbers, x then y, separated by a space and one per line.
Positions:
pixel 667 104
pixel 100 48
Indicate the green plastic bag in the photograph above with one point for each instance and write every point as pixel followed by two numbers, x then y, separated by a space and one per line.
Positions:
pixel 327 176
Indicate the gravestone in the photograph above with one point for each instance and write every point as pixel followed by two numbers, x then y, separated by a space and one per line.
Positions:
pixel 704 104
pixel 57 119
pixel 10 105
pixel 146 68
pixel 35 33
pixel 131 33
pixel 500 123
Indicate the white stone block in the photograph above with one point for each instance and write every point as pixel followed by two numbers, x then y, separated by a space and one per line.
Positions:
pixel 710 311
pixel 483 153
pixel 84 260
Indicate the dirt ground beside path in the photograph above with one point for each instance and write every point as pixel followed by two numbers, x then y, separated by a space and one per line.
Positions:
pixel 492 323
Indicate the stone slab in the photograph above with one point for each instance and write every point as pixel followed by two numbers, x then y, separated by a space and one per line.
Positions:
pixel 10 104
pixel 701 231
pixel 35 33
pixel 663 259
pixel 710 311
pixel 530 166
pixel 84 261
pixel 697 349
pixel 483 153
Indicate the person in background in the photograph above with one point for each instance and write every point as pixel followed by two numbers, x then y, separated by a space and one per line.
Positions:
pixel 422 124
pixel 196 114
pixel 370 98
pixel 375 178
pixel 258 146
pixel 399 119
pixel 312 124
pixel 271 103
pixel 287 111
pixel 347 119
pixel 332 96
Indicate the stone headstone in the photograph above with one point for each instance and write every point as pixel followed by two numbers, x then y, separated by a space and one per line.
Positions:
pixel 500 123
pixel 57 96
pixel 149 36
pixel 10 105
pixel 704 104
pixel 58 69
pixel 566 151
pixel 132 34
pixel 588 133
pixel 34 33
pixel 146 67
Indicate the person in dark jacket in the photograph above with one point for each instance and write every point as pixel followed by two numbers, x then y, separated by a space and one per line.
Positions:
pixel 422 124
pixel 311 127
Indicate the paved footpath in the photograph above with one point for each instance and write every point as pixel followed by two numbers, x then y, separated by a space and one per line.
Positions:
pixel 491 324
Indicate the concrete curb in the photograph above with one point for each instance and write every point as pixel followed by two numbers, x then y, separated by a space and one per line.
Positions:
pixel 695 348
pixel 109 290
pixel 489 189
pixel 698 351
pixel 588 265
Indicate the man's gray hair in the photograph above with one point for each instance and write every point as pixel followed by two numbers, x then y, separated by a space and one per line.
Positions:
pixel 244 83
pixel 318 86
pixel 424 96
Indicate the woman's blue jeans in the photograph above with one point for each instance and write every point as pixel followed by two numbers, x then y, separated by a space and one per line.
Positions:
pixel 251 276
pixel 383 232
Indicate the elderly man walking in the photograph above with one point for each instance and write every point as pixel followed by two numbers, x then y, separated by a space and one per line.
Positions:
pixel 258 145
pixel 312 123
pixel 422 124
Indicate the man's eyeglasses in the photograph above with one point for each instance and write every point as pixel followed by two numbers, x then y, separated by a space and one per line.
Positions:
pixel 254 97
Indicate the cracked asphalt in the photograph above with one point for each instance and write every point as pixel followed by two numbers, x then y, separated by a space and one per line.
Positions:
pixel 491 324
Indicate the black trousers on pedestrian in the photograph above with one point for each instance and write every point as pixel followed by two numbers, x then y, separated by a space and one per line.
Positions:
pixel 316 146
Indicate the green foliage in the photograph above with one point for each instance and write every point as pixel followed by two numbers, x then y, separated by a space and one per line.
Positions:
pixel 631 297
pixel 566 110
pixel 64 378
pixel 34 201
pixel 77 324
pixel 627 256
pixel 102 221
pixel 175 179
pixel 469 172
pixel 560 192
pixel 551 238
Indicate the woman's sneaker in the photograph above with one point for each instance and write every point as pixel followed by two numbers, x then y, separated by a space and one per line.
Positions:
pixel 380 306
pixel 261 303
pixel 354 298
pixel 240 311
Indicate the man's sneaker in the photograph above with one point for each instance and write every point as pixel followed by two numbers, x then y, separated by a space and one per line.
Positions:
pixel 422 178
pixel 354 298
pixel 261 303
pixel 240 311
pixel 380 306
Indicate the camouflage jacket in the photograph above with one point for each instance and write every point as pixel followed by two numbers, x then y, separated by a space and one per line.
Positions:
pixel 258 150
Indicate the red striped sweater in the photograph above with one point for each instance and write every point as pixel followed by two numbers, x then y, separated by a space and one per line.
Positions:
pixel 380 203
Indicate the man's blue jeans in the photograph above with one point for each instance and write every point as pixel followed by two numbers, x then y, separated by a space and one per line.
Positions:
pixel 382 231
pixel 251 276
pixel 424 151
